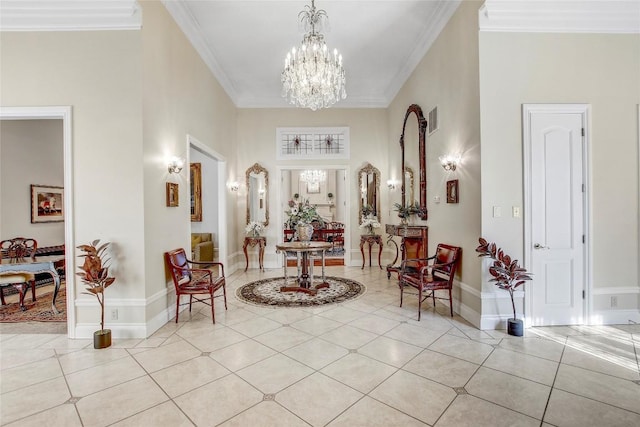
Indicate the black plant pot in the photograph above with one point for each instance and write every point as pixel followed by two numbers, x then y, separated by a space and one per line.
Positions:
pixel 102 338
pixel 515 327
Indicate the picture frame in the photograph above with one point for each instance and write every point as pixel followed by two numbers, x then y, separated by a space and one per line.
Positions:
pixel 47 203
pixel 172 195
pixel 313 187
pixel 195 187
pixel 452 191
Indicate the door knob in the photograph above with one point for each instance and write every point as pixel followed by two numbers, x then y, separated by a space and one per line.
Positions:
pixel 539 246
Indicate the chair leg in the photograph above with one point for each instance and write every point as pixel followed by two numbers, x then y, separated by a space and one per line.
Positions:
pixel 213 310
pixel 190 302
pixel 22 289
pixel 224 294
pixel 33 290
pixel 2 295
pixel 419 302
pixel 401 292
pixel 177 306
pixel 450 302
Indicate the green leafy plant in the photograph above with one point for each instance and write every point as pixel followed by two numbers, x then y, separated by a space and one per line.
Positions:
pixel 408 210
pixel 302 213
pixel 506 272
pixel 95 272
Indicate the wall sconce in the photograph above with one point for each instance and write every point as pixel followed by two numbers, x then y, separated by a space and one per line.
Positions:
pixel 175 165
pixel 234 186
pixel 450 162
pixel 391 184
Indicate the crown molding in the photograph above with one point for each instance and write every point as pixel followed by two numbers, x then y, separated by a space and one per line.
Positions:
pixel 561 16
pixel 59 15
pixel 440 17
pixel 280 102
pixel 190 27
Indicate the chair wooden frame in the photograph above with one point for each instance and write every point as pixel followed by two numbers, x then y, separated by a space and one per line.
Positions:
pixel 195 281
pixel 16 250
pixel 430 274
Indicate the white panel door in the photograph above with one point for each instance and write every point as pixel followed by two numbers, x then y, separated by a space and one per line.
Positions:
pixel 557 218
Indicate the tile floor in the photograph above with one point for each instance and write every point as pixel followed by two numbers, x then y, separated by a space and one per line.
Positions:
pixel 366 362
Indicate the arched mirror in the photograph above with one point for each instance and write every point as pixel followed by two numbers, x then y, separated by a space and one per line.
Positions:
pixel 413 148
pixel 257 194
pixel 369 181
pixel 408 183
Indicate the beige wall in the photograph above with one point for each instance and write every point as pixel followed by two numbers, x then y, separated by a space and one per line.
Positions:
pixel 30 153
pixel 447 77
pixel 98 74
pixel 598 69
pixel 180 97
pixel 256 130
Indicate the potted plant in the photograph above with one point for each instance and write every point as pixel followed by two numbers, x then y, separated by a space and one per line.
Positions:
pixel 300 216
pixel 405 212
pixel 370 222
pixel 95 274
pixel 508 275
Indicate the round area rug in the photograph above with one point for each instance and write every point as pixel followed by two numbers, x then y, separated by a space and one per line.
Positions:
pixel 267 292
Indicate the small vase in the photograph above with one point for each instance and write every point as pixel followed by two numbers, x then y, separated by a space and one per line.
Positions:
pixel 305 232
pixel 102 338
pixel 370 230
pixel 515 327
pixel 255 233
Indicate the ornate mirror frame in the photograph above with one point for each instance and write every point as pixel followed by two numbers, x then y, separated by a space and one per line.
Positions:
pixel 257 169
pixel 422 130
pixel 367 170
pixel 195 184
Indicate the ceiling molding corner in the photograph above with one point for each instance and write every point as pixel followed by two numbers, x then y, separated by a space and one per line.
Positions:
pixel 60 15
pixel 440 18
pixel 561 16
pixel 191 29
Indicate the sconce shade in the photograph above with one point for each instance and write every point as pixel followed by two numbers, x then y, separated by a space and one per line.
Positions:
pixel 450 162
pixel 175 165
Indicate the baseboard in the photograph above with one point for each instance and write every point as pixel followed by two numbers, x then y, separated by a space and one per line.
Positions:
pixel 614 317
pixel 118 331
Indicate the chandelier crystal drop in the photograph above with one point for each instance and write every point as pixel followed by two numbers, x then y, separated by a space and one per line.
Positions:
pixel 313 77
pixel 313 176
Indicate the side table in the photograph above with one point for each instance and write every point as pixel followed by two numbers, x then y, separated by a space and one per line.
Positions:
pixel 261 241
pixel 371 239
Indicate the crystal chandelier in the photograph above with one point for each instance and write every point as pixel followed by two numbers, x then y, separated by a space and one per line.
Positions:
pixel 313 176
pixel 313 77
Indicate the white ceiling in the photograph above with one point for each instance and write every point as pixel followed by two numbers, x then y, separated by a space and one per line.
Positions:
pixel 245 43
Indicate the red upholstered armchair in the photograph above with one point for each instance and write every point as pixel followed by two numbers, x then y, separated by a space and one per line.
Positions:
pixel 195 281
pixel 430 274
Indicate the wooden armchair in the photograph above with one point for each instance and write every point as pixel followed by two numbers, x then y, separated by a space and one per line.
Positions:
pixel 430 274
pixel 14 251
pixel 195 281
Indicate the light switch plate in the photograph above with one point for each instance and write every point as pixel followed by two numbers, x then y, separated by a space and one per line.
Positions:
pixel 516 211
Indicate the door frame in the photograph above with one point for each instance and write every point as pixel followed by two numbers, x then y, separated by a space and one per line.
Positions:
pixel 58 113
pixel 347 208
pixel 193 143
pixel 528 110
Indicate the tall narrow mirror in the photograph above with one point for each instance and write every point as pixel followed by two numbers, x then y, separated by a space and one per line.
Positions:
pixel 412 144
pixel 369 181
pixel 257 194
pixel 408 183
pixel 195 183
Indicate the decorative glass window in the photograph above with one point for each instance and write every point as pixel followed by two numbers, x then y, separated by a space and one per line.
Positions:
pixel 312 143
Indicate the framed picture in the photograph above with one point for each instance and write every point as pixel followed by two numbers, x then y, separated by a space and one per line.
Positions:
pixel 313 187
pixel 172 194
pixel 195 185
pixel 47 203
pixel 452 191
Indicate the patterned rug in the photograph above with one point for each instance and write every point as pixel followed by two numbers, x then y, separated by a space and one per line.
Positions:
pixel 266 292
pixel 39 311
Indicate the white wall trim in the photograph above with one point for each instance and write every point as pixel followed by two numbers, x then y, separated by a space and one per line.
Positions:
pixel 615 290
pixel 560 16
pixel 61 15
pixel 614 317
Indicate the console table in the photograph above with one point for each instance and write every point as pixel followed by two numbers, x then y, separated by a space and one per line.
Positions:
pixel 371 239
pixel 414 236
pixel 45 264
pixel 261 242
pixel 303 251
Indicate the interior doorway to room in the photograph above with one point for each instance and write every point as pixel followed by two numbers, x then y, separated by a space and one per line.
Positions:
pixel 555 220
pixel 328 193
pixel 51 165
pixel 211 199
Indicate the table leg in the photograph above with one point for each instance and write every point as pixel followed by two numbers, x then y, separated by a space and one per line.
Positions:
pixel 379 253
pixel 324 283
pixel 261 255
pixel 56 281
pixel 362 252
pixel 246 257
pixel 369 254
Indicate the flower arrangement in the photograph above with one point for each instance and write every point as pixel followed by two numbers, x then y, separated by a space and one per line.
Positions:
pixel 405 212
pixel 302 213
pixel 370 222
pixel 367 210
pixel 254 228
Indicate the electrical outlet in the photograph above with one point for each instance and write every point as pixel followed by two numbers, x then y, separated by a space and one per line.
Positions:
pixel 114 314
pixel 516 211
pixel 614 301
